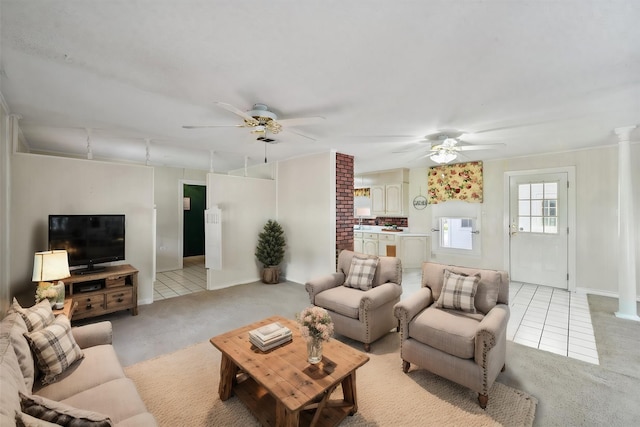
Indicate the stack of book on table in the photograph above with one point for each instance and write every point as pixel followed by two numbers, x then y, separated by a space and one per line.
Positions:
pixel 270 336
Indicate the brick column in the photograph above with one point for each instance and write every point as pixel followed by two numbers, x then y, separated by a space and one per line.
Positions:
pixel 344 202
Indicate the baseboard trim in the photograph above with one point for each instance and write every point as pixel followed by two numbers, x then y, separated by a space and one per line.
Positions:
pixel 145 301
pixel 609 294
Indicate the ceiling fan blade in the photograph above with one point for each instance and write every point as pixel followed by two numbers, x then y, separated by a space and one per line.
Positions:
pixel 212 126
pixel 235 110
pixel 479 147
pixel 443 134
pixel 414 146
pixel 300 134
pixel 301 121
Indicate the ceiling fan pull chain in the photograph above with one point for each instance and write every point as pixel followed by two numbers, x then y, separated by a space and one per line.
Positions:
pixel 147 143
pixel 89 150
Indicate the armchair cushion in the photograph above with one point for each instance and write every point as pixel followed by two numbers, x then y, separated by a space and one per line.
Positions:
pixel 361 272
pixel 449 331
pixel 458 292
pixel 342 300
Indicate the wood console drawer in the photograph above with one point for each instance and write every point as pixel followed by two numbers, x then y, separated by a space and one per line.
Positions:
pixel 114 282
pixel 89 304
pixel 119 298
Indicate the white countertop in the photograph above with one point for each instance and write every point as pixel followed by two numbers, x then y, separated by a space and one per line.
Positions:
pixel 379 229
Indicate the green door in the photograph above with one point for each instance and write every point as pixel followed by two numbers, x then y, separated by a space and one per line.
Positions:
pixel 193 225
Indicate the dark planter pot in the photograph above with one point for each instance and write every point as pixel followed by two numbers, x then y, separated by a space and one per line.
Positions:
pixel 271 275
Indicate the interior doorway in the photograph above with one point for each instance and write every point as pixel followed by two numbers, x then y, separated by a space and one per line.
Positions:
pixel 194 204
pixel 540 224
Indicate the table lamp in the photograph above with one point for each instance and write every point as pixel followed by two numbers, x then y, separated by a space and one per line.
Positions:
pixel 49 267
pixel 362 212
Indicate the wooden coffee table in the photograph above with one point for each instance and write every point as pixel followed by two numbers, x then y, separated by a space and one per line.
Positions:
pixel 280 387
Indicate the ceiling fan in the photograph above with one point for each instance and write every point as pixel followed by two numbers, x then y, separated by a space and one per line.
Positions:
pixel 445 145
pixel 261 120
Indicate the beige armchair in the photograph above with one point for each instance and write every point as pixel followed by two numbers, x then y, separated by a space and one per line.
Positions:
pixel 357 312
pixel 465 347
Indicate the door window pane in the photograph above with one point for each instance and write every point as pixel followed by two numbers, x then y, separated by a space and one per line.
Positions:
pixel 536 224
pixel 551 225
pixel 550 190
pixel 537 191
pixel 538 207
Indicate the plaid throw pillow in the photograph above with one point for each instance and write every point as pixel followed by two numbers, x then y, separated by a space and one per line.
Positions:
pixel 60 413
pixel 36 317
pixel 55 348
pixel 458 292
pixel 361 272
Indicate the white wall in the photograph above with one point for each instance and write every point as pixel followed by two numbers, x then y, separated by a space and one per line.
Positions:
pixel 596 212
pixel 246 204
pixel 5 192
pixel 419 219
pixel 302 200
pixel 43 185
pixel 307 212
pixel 167 191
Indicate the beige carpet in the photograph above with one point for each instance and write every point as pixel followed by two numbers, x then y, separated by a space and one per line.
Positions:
pixel 181 389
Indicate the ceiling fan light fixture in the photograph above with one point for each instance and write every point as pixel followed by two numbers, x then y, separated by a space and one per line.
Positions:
pixel 443 157
pixel 261 111
pixel 449 142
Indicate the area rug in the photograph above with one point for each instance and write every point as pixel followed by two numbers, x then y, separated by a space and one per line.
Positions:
pixel 181 389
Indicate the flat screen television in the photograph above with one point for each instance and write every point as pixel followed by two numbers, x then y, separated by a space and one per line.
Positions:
pixel 88 239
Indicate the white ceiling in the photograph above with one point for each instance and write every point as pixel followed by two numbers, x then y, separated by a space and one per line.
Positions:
pixel 536 76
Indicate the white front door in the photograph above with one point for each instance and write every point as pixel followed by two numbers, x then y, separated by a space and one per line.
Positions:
pixel 539 229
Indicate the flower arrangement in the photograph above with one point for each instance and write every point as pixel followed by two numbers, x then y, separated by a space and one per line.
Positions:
pixel 315 322
pixel 54 292
pixel 46 292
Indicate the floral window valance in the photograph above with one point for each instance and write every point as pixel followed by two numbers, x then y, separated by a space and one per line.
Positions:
pixel 462 181
pixel 361 192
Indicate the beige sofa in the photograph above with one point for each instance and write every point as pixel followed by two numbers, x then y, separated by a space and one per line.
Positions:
pixel 362 315
pixel 94 384
pixel 465 347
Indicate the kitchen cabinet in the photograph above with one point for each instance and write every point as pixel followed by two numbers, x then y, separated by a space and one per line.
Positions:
pixel 387 245
pixel 378 196
pixel 390 200
pixel 365 243
pixel 357 242
pixel 370 243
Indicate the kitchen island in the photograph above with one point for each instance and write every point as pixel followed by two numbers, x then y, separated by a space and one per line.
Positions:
pixel 412 248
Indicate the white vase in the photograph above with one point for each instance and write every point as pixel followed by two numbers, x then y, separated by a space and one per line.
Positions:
pixel 58 302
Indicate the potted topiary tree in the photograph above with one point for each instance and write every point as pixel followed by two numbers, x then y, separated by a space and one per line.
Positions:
pixel 270 251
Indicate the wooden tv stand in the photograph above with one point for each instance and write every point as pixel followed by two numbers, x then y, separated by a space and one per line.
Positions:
pixel 107 290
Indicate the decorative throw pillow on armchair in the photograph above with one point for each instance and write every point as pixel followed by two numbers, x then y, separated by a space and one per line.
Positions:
pixel 361 272
pixel 458 292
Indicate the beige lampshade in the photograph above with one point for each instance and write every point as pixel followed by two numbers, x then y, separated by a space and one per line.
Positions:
pixel 363 211
pixel 50 266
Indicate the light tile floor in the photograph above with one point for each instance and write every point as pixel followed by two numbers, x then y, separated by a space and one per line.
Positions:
pixel 192 278
pixel 541 317
pixel 552 320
